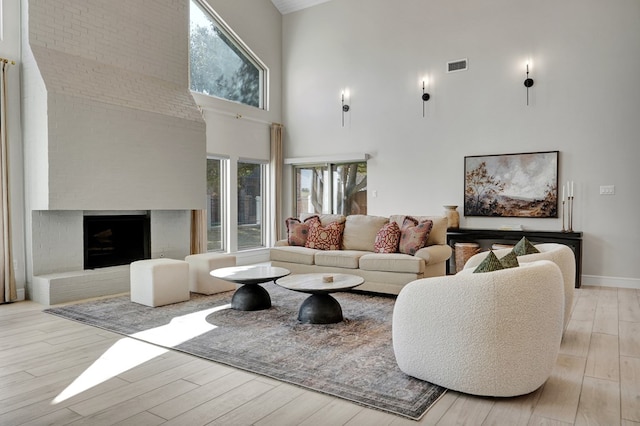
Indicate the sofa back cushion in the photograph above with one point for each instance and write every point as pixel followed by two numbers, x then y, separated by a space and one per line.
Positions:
pixel 325 219
pixel 438 234
pixel 360 231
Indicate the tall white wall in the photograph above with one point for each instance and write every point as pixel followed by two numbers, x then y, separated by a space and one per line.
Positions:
pixel 585 56
pixel 123 131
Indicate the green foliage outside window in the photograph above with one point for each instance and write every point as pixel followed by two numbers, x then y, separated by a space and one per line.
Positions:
pixel 218 67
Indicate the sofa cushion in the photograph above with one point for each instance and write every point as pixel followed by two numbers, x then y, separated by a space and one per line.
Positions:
pixel 392 262
pixel 301 255
pixel 360 231
pixel 413 235
pixel 297 231
pixel 387 238
pixel 325 237
pixel 339 258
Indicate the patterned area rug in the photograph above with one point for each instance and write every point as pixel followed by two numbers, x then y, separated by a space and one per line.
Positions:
pixel 353 359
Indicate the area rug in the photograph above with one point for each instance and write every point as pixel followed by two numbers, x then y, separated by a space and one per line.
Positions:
pixel 353 359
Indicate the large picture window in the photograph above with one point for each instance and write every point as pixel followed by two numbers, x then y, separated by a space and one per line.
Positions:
pixel 331 188
pixel 215 204
pixel 251 190
pixel 220 64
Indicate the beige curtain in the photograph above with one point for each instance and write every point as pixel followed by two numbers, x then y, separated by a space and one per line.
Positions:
pixel 9 293
pixel 198 231
pixel 277 164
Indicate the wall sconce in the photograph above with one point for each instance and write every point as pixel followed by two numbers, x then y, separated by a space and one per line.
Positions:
pixel 425 96
pixel 345 108
pixel 528 82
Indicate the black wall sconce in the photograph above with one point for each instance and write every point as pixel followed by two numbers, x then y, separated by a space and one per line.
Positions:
pixel 425 97
pixel 345 108
pixel 528 82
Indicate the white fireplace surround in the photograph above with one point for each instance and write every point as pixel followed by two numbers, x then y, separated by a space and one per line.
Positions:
pixel 110 125
pixel 58 272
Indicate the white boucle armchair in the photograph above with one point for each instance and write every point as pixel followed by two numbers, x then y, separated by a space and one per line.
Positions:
pixel 559 254
pixel 493 333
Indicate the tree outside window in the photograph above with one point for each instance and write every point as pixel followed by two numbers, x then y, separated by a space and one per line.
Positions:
pixel 332 188
pixel 250 205
pixel 215 211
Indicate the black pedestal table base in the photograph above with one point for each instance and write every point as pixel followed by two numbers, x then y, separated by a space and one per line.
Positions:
pixel 320 309
pixel 251 298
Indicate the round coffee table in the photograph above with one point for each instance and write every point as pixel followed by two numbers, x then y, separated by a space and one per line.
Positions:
pixel 320 307
pixel 251 296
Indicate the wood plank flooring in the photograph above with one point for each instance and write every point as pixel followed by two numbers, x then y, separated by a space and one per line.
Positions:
pixel 596 380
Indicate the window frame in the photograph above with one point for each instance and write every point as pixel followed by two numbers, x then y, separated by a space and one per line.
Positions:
pixel 329 190
pixel 242 47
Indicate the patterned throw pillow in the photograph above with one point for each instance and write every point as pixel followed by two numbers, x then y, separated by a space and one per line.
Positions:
pixel 413 235
pixel 524 246
pixel 489 264
pixel 325 237
pixel 387 238
pixel 297 232
pixel 510 260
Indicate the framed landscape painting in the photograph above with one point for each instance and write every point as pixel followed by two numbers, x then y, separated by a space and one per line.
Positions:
pixel 511 185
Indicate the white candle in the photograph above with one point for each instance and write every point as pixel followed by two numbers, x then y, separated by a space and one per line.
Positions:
pixel 562 192
pixel 572 188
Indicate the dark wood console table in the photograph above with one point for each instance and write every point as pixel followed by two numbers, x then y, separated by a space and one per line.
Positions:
pixel 571 239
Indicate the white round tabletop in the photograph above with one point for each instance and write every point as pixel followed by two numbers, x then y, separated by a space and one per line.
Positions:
pixel 250 274
pixel 317 283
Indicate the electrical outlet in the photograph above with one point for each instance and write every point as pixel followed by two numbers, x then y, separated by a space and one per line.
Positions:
pixel 607 189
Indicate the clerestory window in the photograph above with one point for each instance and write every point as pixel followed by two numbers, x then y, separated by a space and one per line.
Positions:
pixel 221 65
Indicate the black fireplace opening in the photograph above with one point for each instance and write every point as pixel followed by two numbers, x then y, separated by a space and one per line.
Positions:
pixel 116 240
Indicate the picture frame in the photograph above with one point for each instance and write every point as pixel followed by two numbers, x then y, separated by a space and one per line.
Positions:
pixel 512 185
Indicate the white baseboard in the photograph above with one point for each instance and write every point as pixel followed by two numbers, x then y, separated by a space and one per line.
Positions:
pixel 620 282
pixel 21 294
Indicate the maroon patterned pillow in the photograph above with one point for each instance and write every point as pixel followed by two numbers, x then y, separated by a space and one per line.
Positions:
pixel 414 237
pixel 298 232
pixel 325 237
pixel 387 238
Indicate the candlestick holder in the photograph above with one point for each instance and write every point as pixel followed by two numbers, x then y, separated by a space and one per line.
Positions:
pixel 571 214
pixel 563 228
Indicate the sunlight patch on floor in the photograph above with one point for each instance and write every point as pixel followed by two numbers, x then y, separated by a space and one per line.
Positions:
pixel 130 352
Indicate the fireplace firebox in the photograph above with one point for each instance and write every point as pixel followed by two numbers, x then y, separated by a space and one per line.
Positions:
pixel 114 240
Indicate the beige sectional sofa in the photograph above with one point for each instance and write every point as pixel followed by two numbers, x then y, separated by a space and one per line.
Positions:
pixel 382 272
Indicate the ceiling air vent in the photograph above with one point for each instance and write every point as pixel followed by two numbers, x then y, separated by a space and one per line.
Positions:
pixel 457 65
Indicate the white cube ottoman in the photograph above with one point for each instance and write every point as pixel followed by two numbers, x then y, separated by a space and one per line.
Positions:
pixel 158 282
pixel 200 266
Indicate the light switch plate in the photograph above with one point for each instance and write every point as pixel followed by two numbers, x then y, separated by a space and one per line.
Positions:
pixel 607 189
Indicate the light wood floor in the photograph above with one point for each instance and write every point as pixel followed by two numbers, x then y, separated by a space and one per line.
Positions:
pixel 596 380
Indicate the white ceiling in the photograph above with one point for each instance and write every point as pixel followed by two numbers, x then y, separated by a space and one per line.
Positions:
pixel 288 6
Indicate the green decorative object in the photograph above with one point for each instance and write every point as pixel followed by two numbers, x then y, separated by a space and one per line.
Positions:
pixel 489 264
pixel 523 247
pixel 510 260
